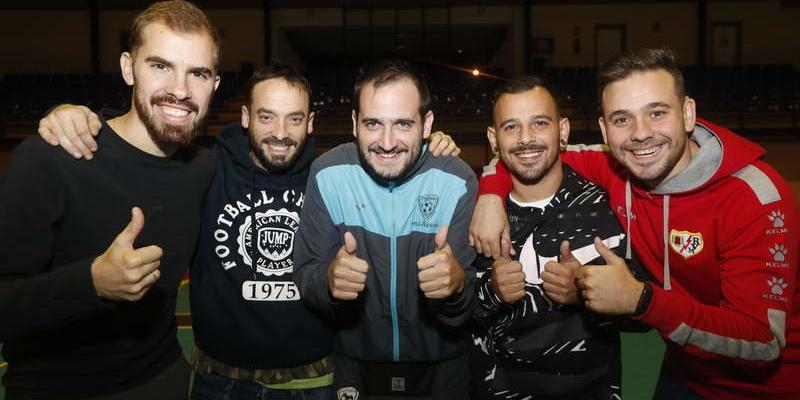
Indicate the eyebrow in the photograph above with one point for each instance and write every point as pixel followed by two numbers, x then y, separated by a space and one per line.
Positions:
pixel 657 104
pixel 202 70
pixel 649 106
pixel 508 121
pixel 159 60
pixel 367 120
pixel 542 116
pixel 409 121
pixel 291 114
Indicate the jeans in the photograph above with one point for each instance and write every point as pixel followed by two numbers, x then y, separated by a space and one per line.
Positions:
pixel 669 388
pixel 216 387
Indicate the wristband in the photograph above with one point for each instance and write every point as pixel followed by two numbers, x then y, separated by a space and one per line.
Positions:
pixel 644 300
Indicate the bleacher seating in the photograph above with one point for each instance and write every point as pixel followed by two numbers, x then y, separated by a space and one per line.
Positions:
pixel 760 97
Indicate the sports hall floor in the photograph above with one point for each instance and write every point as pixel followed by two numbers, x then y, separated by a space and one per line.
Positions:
pixel 641 352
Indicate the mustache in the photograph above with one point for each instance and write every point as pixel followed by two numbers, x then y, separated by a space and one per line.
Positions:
pixel 528 146
pixel 170 99
pixel 644 144
pixel 272 140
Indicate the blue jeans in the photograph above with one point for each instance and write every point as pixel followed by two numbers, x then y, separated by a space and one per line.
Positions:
pixel 216 387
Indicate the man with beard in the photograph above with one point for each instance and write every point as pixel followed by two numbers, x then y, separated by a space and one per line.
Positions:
pixel 253 335
pixel 530 345
pixel 88 303
pixel 382 247
pixel 712 222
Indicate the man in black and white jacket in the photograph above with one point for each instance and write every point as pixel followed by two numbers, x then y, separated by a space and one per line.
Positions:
pixel 533 337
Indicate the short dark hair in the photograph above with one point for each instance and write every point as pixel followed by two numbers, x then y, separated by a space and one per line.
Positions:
pixel 641 60
pixel 278 70
pixel 177 15
pixel 383 72
pixel 524 84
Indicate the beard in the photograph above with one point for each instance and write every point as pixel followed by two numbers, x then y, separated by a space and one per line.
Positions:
pixel 528 175
pixel 166 136
pixel 364 155
pixel 278 163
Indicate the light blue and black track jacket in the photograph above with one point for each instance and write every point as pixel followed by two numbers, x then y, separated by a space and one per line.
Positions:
pixel 394 224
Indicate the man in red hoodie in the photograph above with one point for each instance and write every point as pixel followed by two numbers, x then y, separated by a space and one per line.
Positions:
pixel 715 226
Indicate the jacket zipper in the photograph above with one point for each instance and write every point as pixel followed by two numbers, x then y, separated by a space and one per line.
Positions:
pixel 393 282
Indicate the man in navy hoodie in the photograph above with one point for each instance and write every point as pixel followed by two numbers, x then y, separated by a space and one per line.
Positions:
pixel 254 337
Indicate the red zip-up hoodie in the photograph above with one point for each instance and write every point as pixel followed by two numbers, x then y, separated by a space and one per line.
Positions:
pixel 721 240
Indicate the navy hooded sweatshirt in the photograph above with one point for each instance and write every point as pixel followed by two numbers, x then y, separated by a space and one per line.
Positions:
pixel 246 309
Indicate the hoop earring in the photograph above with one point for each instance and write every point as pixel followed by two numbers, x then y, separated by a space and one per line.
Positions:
pixel 563 143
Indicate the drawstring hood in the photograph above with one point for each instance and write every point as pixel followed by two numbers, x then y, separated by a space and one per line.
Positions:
pixel 707 166
pixel 243 269
pixel 234 140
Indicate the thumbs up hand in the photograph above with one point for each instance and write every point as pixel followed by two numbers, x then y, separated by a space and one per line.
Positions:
pixel 611 288
pixel 347 274
pixel 440 275
pixel 508 279
pixel 559 277
pixel 123 272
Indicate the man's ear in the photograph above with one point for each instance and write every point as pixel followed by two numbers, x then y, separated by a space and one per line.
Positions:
pixel 602 122
pixel 355 124
pixel 245 117
pixel 428 124
pixel 563 130
pixel 310 127
pixel 689 114
pixel 491 136
pixel 126 66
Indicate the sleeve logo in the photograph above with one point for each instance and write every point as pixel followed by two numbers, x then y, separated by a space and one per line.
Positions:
pixel 685 243
pixel 777 288
pixel 777 218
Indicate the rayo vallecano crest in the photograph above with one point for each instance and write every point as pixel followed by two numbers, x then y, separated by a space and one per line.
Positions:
pixel 274 233
pixel 685 243
pixel 427 205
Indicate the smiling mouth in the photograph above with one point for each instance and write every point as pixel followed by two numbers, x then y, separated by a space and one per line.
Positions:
pixel 176 113
pixel 646 152
pixel 387 156
pixel 278 148
pixel 528 155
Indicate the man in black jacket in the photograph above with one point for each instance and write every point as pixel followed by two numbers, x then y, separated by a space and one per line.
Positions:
pixel 529 343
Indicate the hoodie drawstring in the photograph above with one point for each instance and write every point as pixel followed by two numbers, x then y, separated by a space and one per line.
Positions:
pixel 253 232
pixel 665 206
pixel 628 205
pixel 628 253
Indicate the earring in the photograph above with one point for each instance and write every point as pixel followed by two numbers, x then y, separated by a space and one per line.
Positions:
pixel 563 143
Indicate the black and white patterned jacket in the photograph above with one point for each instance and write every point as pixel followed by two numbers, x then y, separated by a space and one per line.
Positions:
pixel 535 346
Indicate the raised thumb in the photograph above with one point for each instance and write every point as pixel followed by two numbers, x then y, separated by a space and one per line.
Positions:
pixel 350 243
pixel 605 252
pixel 566 255
pixel 131 232
pixel 441 238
